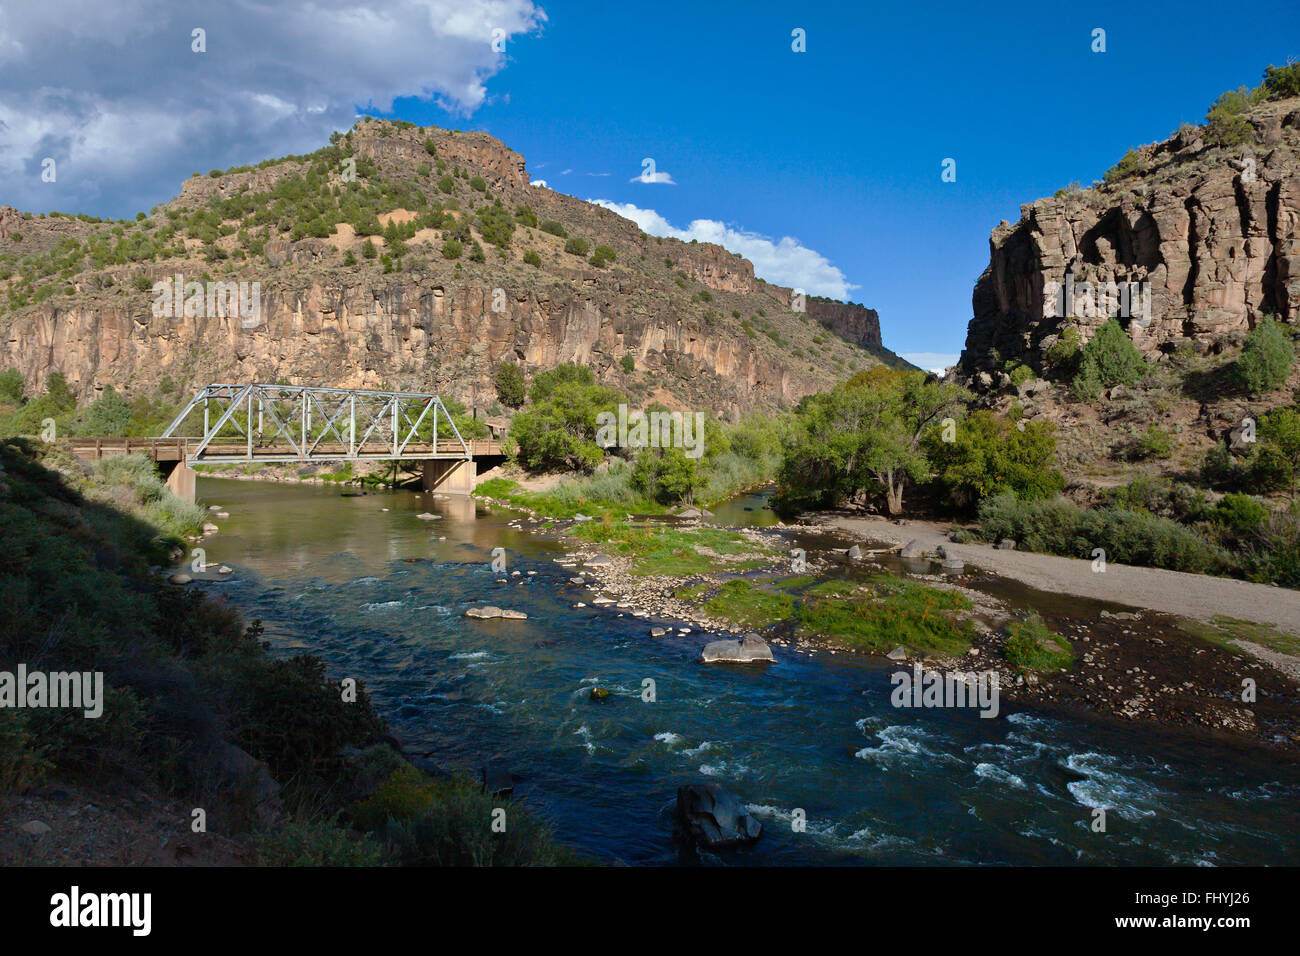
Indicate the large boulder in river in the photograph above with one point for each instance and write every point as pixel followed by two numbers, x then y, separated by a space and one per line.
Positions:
pixel 489 612
pixel 913 549
pixel 714 818
pixel 750 649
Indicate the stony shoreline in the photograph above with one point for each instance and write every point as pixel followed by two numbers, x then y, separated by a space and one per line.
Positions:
pixel 1130 667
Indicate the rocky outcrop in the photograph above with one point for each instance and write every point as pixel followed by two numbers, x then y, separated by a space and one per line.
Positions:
pixel 850 321
pixel 1211 232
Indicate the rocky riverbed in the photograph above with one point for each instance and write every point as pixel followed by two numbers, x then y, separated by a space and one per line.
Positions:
pixel 1129 666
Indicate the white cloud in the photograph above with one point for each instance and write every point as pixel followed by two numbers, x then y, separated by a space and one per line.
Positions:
pixel 136 110
pixel 537 182
pixel 665 179
pixel 937 362
pixel 784 261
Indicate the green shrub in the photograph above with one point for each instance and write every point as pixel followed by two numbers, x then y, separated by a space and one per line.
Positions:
pixel 456 830
pixel 1266 359
pixel 1282 81
pixel 1130 164
pixel 11 386
pixel 402 796
pixel 1277 461
pixel 1031 646
pixel 1110 358
pixel 1155 443
pixel 602 256
pixel 1020 374
pixel 452 248
pixel 532 258
pixel 368 250
pixel 1058 526
pixel 317 843
pixel 554 228
pixel 1226 123
pixel 1239 514
pixel 22 755
pixel 576 246
pixel 478 184
pixel 628 363
pixel 1272 554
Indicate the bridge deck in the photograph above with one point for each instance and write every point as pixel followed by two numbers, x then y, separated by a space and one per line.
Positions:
pixel 232 451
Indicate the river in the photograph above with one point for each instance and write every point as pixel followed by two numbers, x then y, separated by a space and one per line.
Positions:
pixel 380 595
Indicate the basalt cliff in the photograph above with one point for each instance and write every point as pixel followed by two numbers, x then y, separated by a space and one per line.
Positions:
pixel 463 264
pixel 1210 231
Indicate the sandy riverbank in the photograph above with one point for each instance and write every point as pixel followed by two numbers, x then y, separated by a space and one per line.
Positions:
pixel 1197 596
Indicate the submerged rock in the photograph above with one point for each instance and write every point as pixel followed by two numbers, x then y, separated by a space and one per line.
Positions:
pixel 750 649
pixel 180 579
pixel 599 693
pixel 854 553
pixel 954 565
pixel 897 654
pixel 913 549
pixel 657 632
pixel 715 818
pixel 426 516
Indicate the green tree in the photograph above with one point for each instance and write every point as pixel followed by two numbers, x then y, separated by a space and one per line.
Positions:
pixel 510 384
pixel 108 416
pixel 1266 359
pixel 559 430
pixel 577 246
pixel 990 455
pixel 667 475
pixel 451 249
pixel 865 438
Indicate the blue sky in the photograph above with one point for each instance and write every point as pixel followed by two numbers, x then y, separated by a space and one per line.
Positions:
pixel 837 150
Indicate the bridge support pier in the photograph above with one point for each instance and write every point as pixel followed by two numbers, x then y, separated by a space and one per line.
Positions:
pixel 451 477
pixel 180 479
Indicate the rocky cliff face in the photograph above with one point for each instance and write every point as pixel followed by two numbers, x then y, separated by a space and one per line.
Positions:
pixel 850 321
pixel 675 308
pixel 1212 233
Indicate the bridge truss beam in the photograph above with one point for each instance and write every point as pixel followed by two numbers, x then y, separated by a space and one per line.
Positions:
pixel 285 423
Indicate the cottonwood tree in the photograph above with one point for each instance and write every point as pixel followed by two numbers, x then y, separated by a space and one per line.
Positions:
pixel 865 438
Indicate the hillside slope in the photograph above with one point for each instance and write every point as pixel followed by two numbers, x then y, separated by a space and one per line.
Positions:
pixel 466 277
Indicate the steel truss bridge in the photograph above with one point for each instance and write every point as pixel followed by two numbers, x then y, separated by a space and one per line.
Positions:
pixel 293 423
